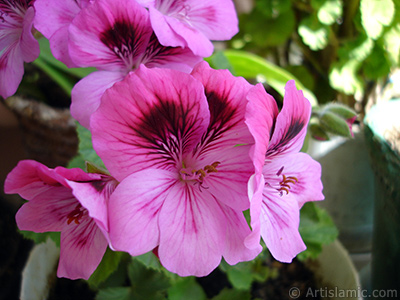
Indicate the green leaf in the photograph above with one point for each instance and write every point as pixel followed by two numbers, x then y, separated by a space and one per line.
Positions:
pixel 147 283
pixel 313 33
pixel 330 11
pixel 107 266
pixel 392 44
pixel 252 66
pixel 229 294
pixel 273 8
pixel 280 28
pixel 149 260
pixel 47 56
pixel 115 293
pixel 85 149
pixel 344 78
pixel 377 65
pixel 186 288
pixel 219 61
pixel 375 14
pixel 316 228
pixel 240 275
pixel 41 237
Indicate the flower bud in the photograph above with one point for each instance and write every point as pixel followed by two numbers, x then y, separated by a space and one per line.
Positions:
pixel 334 123
pixel 318 133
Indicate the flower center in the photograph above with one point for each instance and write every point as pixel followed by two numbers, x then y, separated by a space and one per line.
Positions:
pixel 76 215
pixel 285 183
pixel 200 174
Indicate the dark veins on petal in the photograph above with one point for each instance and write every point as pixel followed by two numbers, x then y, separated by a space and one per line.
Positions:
pixel 296 125
pixel 10 6
pixel 157 54
pixel 124 40
pixel 165 130
pixel 221 114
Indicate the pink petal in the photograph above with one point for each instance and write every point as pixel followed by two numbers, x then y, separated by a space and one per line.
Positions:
pixel 192 231
pixel 151 118
pixel 236 232
pixel 307 172
pixel 86 94
pixel 11 71
pixel 280 227
pixel 172 32
pixel 29 45
pixel 177 58
pixel 291 123
pixel 48 211
pixel 229 184
pixel 30 178
pixel 217 20
pixel 134 210
pixel 255 189
pixel 93 196
pixel 193 23
pixel 261 113
pixel 82 249
pixel 226 96
pixel 52 19
pixel 110 35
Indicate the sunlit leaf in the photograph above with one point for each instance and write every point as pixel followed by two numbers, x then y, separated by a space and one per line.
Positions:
pixel 330 12
pixel 313 33
pixel 344 78
pixel 251 66
pixel 375 14
pixel 392 43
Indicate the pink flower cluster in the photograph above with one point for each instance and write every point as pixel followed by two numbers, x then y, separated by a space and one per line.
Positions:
pixel 188 148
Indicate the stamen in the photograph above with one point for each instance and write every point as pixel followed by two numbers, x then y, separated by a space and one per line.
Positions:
pixel 75 215
pixel 285 183
pixel 200 174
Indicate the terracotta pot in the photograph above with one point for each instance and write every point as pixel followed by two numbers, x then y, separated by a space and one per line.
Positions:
pixel 49 134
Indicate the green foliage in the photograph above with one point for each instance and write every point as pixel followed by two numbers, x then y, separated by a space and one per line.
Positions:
pixel 115 293
pixel 230 294
pixel 330 11
pixel 85 151
pixel 252 66
pixel 313 33
pixel 41 237
pixel 316 229
pixel 186 288
pixel 375 15
pixel 108 265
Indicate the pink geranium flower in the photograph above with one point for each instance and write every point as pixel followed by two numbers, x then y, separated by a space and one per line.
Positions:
pixel 192 23
pixel 115 37
pixel 179 144
pixel 17 44
pixel 285 178
pixel 53 18
pixel 66 200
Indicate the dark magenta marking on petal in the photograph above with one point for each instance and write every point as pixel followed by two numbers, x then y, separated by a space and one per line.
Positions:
pixel 155 52
pixel 221 115
pixel 165 130
pixel 12 7
pixel 295 127
pixel 124 39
